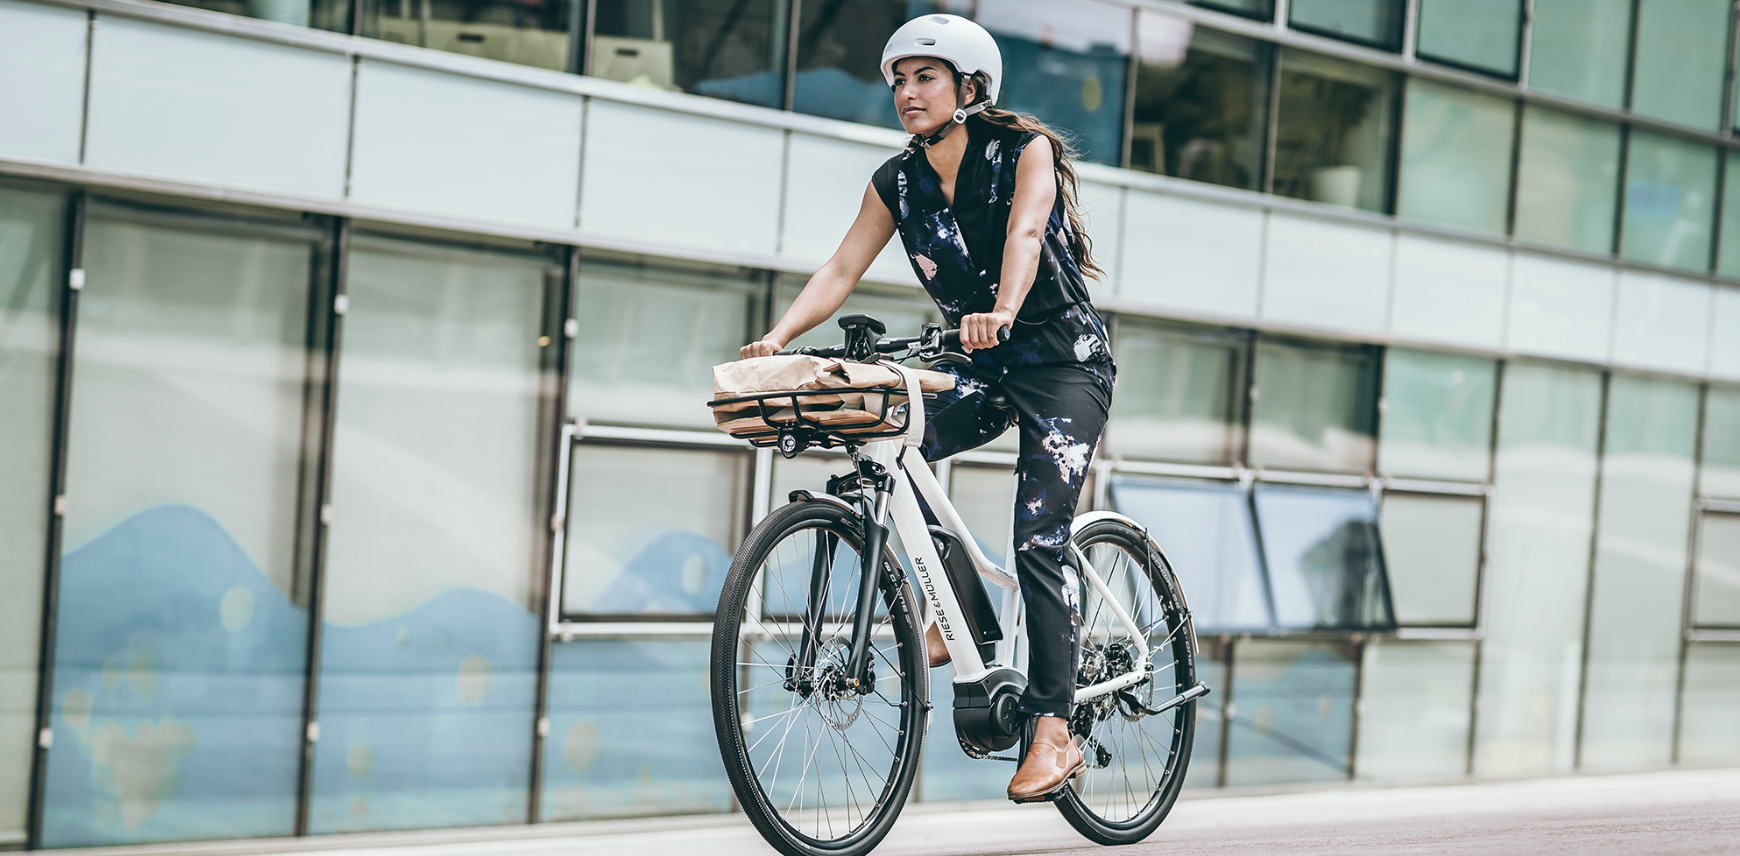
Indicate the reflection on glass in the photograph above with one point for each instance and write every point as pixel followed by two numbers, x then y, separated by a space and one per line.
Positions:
pixel 1204 770
pixel 649 338
pixel 1371 22
pixel 623 746
pixel 1711 706
pixel 1326 562
pixel 1262 10
pixel 1482 35
pixel 180 569
pixel 1716 598
pixel 839 56
pixel 1721 445
pixel 1542 516
pixel 1293 712
pixel 732 49
pixel 1681 53
pixel 1728 240
pixel 1332 138
pixel 1315 407
pixel 1567 180
pixel 429 643
pixel 902 311
pixel 1202 97
pixel 1456 148
pixel 985 499
pixel 527 32
pixel 31 230
pixel 651 530
pixel 1414 710
pixel 1066 62
pixel 811 471
pixel 1437 416
pixel 1432 552
pixel 1640 573
pixel 1178 393
pixel 1670 190
pixel 321 14
pixel 1206 527
pixel 1578 49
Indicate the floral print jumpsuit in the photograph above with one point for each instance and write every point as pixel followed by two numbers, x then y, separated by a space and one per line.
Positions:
pixel 1055 372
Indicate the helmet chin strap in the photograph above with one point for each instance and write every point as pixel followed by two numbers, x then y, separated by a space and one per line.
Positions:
pixel 960 118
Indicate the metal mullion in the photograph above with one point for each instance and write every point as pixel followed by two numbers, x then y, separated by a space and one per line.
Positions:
pixel 1619 190
pixel 1525 49
pixel 72 260
pixel 1271 134
pixel 1594 562
pixel 1131 74
pixel 1694 533
pixel 1226 705
pixel 558 321
pixel 1514 183
pixel 333 312
pixel 1359 648
pixel 1729 71
pixel 788 90
pixel 1482 581
pixel 1410 45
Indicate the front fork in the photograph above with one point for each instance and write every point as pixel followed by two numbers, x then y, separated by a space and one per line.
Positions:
pixel 874 487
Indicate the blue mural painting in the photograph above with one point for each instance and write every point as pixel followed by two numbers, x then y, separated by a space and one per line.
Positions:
pixel 178 683
pixel 1292 720
pixel 679 572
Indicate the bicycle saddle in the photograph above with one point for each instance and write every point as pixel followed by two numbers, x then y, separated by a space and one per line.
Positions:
pixel 997 399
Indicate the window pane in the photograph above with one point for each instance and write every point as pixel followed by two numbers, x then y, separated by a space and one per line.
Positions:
pixel 1479 34
pixel 985 499
pixel 1066 62
pixel 1206 530
pixel 902 311
pixel 731 49
pixel 1456 148
pixel 1262 10
pixel 430 644
pixel 1567 179
pixel 1414 710
pixel 1578 49
pixel 1728 241
pixel 180 562
pixel 839 60
pixel 1721 451
pixel 1178 393
pixel 1372 22
pixel 651 530
pixel 1640 572
pixel 1432 553
pixel 1681 49
pixel 534 34
pixel 623 746
pixel 323 14
pixel 1542 515
pixel 1437 421
pixel 649 339
pixel 1716 599
pixel 1711 706
pixel 1332 140
pixel 1326 564
pixel 1293 712
pixel 1201 100
pixel 31 274
pixel 1670 189
pixel 1204 770
pixel 1315 407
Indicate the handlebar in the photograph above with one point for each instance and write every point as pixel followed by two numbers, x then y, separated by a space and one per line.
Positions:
pixel 935 342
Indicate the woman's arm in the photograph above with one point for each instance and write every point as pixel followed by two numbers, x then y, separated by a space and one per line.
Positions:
pixel 826 292
pixel 1035 193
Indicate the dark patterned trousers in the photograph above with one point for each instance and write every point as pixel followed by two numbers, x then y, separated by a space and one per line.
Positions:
pixel 1060 411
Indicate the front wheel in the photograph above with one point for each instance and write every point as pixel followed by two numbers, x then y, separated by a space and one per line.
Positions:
pixel 1136 758
pixel 821 767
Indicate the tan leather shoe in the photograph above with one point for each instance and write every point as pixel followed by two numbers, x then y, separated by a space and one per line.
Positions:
pixel 935 649
pixel 1045 771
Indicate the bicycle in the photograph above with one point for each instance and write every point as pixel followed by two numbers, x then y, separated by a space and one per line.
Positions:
pixel 819 674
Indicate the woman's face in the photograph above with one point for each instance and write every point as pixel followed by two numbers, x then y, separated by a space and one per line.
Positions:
pixel 924 93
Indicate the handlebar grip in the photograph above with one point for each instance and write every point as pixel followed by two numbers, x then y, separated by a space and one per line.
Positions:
pixel 952 338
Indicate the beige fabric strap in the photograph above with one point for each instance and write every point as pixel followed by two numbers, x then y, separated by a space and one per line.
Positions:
pixel 914 404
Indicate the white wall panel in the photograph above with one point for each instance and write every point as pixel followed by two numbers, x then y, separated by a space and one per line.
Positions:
pixel 825 181
pixel 1725 334
pixel 1327 275
pixel 1102 216
pixel 42 81
pixel 1661 323
pixel 1195 256
pixel 211 107
pixel 459 145
pixel 666 177
pixel 1449 292
pixel 1560 308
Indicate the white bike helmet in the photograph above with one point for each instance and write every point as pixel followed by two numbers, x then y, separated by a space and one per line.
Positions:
pixel 963 43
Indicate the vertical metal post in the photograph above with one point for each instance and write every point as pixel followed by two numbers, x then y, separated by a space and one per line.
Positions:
pixel 1410 29
pixel 1525 50
pixel 1480 576
pixel 1594 564
pixel 330 305
pixel 1693 534
pixel 1226 714
pixel 1359 646
pixel 788 92
pixel 1132 73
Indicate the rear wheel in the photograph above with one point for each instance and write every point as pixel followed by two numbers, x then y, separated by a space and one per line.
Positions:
pixel 1136 759
pixel 819 766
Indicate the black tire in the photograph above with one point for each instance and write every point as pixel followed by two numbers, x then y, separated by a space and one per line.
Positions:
pixel 862 747
pixel 1136 761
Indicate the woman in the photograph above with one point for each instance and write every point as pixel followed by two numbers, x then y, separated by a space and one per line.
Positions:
pixel 990 223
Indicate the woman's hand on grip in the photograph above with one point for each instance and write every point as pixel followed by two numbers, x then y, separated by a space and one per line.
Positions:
pixel 980 330
pixel 762 348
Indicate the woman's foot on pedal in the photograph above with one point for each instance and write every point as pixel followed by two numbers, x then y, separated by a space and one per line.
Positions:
pixel 934 647
pixel 1046 768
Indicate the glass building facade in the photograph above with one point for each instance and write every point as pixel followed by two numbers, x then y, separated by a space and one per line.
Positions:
pixel 354 468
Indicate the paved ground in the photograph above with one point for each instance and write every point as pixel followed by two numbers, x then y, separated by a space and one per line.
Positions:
pixel 1678 812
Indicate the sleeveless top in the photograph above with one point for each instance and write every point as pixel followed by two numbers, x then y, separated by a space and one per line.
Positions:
pixel 957 252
